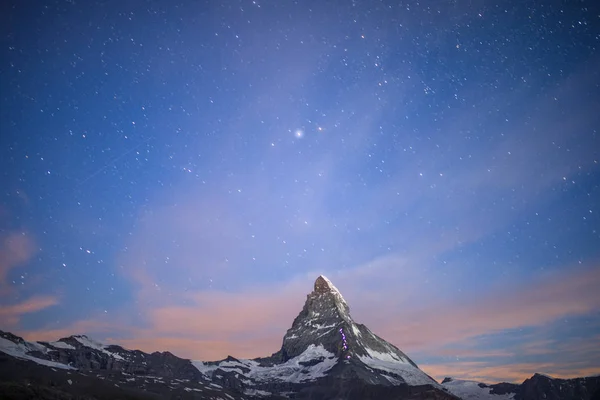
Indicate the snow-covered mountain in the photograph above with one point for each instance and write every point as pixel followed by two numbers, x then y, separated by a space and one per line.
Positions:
pixel 326 349
pixel 473 390
pixel 79 365
pixel 324 355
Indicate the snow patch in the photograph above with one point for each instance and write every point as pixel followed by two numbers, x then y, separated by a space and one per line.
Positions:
pixel 392 380
pixel 204 368
pixel 411 375
pixel 292 370
pixel 37 346
pixel 70 382
pixel 87 342
pixel 319 326
pixel 92 344
pixel 256 392
pixel 385 356
pixel 471 390
pixel 61 345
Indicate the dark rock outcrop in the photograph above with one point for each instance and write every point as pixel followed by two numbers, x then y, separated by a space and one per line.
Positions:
pixel 538 387
pixel 543 387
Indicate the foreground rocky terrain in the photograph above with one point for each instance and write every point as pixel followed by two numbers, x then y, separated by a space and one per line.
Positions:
pixel 324 355
pixel 537 387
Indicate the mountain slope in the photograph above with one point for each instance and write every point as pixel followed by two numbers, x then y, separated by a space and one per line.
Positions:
pixel 326 349
pixel 77 365
pixel 472 390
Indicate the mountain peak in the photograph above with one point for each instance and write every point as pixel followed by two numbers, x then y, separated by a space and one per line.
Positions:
pixel 323 284
pixel 325 326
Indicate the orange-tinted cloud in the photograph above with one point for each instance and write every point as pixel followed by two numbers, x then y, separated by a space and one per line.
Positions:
pixel 216 324
pixel 213 325
pixel 515 373
pixel 532 303
pixel 11 314
pixel 564 358
pixel 99 327
pixel 205 350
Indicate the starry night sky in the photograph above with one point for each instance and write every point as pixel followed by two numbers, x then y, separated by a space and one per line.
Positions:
pixel 175 175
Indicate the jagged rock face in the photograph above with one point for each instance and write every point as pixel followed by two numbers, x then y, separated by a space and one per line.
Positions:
pixel 82 353
pixel 77 365
pixel 325 320
pixel 22 379
pixel 326 352
pixel 324 313
pixel 542 387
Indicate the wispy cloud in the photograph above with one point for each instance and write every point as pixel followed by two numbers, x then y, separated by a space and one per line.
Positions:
pixel 515 373
pixel 98 326
pixel 426 321
pixel 215 324
pixel 16 248
pixel 11 314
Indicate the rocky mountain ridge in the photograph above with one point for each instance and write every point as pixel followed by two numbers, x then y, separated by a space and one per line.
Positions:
pixel 324 355
pixel 538 387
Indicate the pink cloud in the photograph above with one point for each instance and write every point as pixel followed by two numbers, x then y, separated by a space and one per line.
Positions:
pixel 530 304
pixel 11 314
pixel 216 324
pixel 16 248
pixel 515 373
pixel 100 327
pixel 206 350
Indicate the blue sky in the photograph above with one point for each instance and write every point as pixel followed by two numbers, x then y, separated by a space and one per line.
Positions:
pixel 175 176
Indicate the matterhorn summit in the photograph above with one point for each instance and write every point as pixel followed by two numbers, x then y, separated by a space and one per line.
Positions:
pixel 325 321
pixel 325 354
